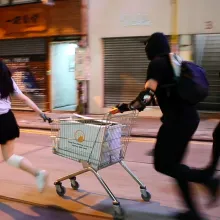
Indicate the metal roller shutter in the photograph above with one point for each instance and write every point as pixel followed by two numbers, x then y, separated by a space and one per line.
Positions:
pixel 19 47
pixel 207 54
pixel 125 68
pixel 21 54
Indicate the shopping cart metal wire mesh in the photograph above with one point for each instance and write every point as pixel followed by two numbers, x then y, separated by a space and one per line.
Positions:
pixel 96 143
pixel 99 142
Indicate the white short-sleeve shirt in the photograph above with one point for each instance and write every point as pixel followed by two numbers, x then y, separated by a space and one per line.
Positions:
pixel 5 104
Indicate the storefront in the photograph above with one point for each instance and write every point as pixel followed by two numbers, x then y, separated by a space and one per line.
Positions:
pixel 119 63
pixel 207 54
pixel 203 25
pixel 33 39
pixel 27 59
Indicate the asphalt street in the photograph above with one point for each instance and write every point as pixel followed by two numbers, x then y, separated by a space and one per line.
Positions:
pixel 34 143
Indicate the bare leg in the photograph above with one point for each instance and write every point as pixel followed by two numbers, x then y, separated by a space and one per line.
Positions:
pixel 26 165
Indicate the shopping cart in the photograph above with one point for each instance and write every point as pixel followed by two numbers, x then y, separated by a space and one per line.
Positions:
pixel 96 143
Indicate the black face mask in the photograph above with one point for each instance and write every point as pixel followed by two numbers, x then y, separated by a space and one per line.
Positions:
pixel 157 45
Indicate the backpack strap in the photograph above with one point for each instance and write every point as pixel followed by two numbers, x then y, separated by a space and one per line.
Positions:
pixel 176 63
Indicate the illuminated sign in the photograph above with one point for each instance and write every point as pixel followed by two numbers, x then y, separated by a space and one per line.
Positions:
pixel 14 21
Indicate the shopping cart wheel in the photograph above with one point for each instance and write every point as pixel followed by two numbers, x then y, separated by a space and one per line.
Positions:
pixel 60 189
pixel 146 196
pixel 118 212
pixel 74 183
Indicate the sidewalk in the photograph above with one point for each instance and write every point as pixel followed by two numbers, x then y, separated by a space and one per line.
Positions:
pixel 144 127
pixel 91 199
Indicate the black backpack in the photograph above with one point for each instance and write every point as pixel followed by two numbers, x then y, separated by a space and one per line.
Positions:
pixel 191 81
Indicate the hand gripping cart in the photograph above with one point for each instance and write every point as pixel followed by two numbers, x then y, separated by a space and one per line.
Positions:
pixel 96 143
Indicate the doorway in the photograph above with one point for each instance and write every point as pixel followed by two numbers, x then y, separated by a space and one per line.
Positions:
pixel 63 83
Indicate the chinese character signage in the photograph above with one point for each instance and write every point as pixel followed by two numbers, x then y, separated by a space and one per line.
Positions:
pixel 82 64
pixel 24 21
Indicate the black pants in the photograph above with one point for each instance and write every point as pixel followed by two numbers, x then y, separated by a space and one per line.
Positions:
pixel 171 146
pixel 215 151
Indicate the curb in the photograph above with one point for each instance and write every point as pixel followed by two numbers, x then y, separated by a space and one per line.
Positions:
pixel 132 135
pixel 154 136
pixel 34 128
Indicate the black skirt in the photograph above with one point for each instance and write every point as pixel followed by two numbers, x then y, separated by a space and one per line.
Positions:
pixel 9 129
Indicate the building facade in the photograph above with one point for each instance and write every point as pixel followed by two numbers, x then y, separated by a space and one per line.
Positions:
pixel 38 42
pixel 117 29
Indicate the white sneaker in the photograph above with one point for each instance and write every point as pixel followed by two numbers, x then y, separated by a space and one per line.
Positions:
pixel 42 180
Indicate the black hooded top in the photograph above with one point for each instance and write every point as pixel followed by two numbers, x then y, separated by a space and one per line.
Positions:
pixel 157 45
pixel 160 69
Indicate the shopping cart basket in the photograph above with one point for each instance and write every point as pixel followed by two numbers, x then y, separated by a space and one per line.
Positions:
pixel 96 143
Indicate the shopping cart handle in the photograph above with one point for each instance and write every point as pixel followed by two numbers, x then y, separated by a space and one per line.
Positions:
pixel 114 111
pixel 81 116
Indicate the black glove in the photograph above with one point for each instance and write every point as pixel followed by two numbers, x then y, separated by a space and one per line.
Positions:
pixel 144 99
pixel 45 118
pixel 141 108
pixel 154 101
pixel 136 105
pixel 123 107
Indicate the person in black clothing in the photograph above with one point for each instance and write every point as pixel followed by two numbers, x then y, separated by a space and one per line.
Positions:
pixel 179 123
pixel 215 150
pixel 211 168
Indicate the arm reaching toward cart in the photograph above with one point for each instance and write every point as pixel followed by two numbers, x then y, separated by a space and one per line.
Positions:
pixel 33 106
pixel 144 99
pixel 17 93
pixel 45 118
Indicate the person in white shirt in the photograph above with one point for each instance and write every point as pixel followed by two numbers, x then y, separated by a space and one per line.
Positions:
pixel 9 129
